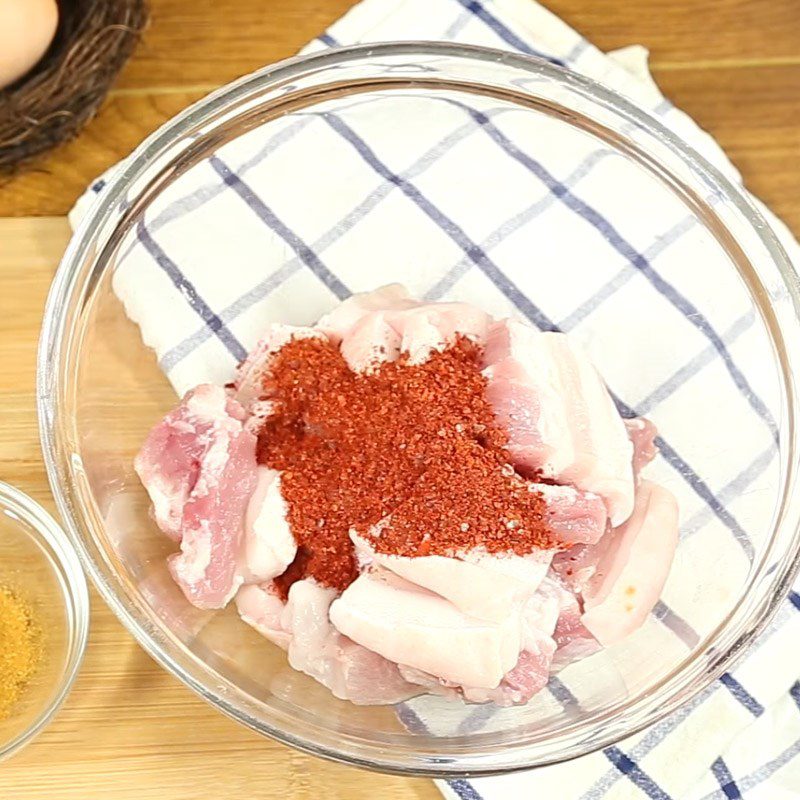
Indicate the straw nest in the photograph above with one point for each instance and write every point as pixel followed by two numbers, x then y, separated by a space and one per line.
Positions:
pixel 52 103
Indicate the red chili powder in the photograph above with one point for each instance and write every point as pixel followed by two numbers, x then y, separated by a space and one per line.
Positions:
pixel 417 442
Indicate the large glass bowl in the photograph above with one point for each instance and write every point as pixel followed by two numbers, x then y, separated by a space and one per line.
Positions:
pixel 590 215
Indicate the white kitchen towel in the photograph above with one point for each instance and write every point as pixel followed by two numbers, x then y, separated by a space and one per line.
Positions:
pixel 740 737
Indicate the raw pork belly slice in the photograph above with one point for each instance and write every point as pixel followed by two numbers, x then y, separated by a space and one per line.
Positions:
pixel 411 625
pixel 201 458
pixel 430 683
pixel 301 626
pixel 493 588
pixel 528 677
pixel 574 517
pixel 576 565
pixel 250 373
pixel 269 546
pixel 632 571
pixel 572 638
pixel 479 584
pixel 261 607
pixel 532 669
pixel 350 671
pixel 370 342
pixel 338 323
pixel 431 327
pixel 559 415
pixel 419 330
pixel 170 461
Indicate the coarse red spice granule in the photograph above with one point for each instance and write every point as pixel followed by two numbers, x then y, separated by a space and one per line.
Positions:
pixel 416 446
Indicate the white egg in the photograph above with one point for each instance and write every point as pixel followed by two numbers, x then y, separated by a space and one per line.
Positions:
pixel 27 28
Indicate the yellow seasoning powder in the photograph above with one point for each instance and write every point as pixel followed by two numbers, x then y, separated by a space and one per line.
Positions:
pixel 20 648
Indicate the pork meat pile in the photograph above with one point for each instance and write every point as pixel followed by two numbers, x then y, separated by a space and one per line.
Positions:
pixel 476 625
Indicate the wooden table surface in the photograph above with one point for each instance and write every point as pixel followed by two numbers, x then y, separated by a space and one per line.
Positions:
pixel 129 730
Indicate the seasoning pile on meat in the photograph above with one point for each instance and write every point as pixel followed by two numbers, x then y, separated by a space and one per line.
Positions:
pixel 415 498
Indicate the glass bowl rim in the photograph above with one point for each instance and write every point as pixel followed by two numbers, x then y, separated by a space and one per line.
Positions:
pixel 52 346
pixel 40 523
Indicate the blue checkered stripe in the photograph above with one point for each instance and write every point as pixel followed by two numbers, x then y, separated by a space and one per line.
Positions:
pixel 320 195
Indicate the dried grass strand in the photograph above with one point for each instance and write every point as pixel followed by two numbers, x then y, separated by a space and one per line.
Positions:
pixel 50 105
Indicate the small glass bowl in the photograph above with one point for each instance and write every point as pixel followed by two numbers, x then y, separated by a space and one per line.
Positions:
pixel 38 564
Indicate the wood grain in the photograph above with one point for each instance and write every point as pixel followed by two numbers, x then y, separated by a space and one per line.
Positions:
pixel 130 730
pixel 682 34
pixel 210 42
pixel 213 41
pixel 754 114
